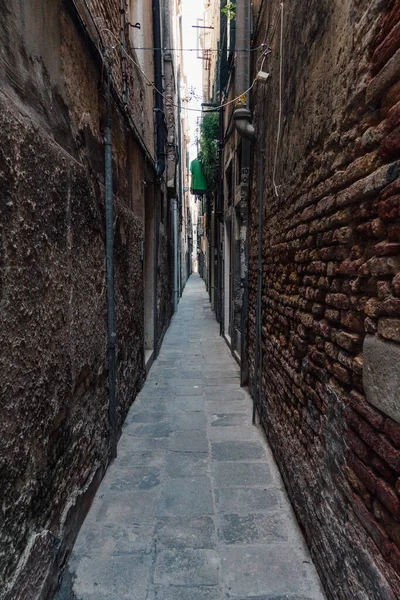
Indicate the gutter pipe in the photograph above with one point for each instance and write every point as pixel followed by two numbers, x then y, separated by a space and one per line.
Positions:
pixel 242 113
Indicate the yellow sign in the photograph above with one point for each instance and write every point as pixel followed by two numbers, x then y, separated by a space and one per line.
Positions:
pixel 241 100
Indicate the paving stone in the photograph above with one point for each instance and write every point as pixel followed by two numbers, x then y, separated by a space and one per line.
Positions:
pixel 229 419
pixel 181 532
pixel 112 539
pixel 248 500
pixel 252 529
pixel 149 404
pixel 188 593
pixel 189 390
pixel 128 478
pixel 144 458
pixel 112 577
pixel 214 394
pixel 188 441
pixel 146 430
pixel 266 571
pixel 186 497
pixel 136 506
pixel 182 420
pixel 187 403
pixel 231 451
pixel 221 434
pixel 150 417
pixel 187 567
pixel 137 444
pixel 186 464
pixel 227 474
pixel 215 407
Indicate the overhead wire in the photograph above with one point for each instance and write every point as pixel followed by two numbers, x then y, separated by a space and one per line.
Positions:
pixel 192 49
pixel 168 100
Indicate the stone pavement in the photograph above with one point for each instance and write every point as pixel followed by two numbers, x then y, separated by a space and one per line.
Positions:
pixel 194 507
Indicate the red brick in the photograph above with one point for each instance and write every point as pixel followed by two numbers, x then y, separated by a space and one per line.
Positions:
pixel 389 307
pixel 385 519
pixel 396 285
pixel 383 469
pixel 383 266
pixel 392 430
pixel 386 49
pixel 387 249
pixel 358 446
pixel 365 474
pixel 367 520
pixel 353 320
pixel 341 373
pixel 338 300
pixel 367 411
pixel 390 145
pixel 390 209
pixel 349 341
pixel 393 230
pixel 388 498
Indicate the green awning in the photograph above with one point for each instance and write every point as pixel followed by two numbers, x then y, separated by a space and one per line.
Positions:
pixel 199 183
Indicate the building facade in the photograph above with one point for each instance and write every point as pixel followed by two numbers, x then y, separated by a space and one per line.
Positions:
pixel 310 263
pixel 74 72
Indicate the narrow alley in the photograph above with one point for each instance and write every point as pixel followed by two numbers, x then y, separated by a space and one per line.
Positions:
pixel 199 229
pixel 193 508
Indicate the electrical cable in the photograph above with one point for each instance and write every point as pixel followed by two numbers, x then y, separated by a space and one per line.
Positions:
pixel 170 103
pixel 192 49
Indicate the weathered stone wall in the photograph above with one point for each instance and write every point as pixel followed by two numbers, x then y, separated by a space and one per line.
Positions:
pixel 54 439
pixel 331 292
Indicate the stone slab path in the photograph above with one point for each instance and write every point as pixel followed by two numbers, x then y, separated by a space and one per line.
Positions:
pixel 194 507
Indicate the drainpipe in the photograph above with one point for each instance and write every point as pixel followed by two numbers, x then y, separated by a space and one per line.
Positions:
pixel 176 274
pixel 158 81
pixel 242 119
pixel 258 358
pixel 242 113
pixel 111 335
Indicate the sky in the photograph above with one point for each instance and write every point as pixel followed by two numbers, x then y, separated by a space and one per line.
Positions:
pixel 193 66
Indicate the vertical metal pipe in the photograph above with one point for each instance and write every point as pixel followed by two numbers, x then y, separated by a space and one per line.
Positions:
pixel 258 358
pixel 157 218
pixel 111 335
pixel 176 275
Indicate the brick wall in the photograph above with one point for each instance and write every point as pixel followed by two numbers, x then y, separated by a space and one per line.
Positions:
pixel 331 283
